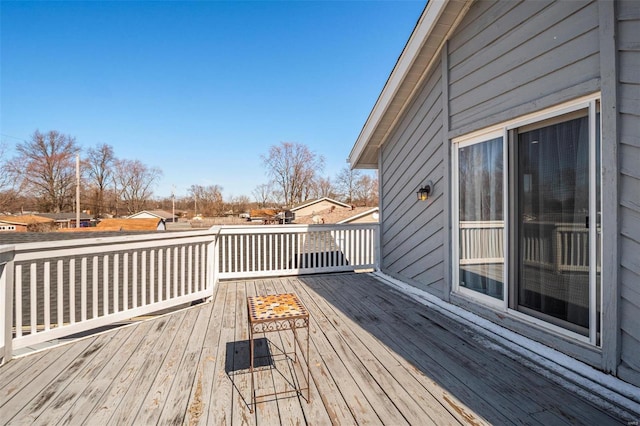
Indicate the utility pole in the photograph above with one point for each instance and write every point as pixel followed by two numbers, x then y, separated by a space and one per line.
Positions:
pixel 173 203
pixel 77 190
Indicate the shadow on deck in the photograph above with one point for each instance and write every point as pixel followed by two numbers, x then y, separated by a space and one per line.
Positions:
pixel 377 357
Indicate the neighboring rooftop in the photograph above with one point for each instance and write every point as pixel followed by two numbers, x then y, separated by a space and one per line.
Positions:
pixel 333 216
pixel 65 216
pixel 322 201
pixel 27 219
pixel 160 214
pixel 130 224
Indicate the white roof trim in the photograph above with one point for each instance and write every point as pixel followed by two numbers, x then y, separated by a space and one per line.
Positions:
pixel 358 216
pixel 422 51
pixel 317 201
pixel 420 34
pixel 151 213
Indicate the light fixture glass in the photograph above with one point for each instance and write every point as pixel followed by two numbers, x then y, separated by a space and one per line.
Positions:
pixel 424 191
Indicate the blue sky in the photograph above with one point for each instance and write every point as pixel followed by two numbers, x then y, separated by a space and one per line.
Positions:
pixel 199 89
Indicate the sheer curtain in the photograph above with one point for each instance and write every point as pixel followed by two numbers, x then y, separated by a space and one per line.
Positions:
pixel 481 169
pixel 553 181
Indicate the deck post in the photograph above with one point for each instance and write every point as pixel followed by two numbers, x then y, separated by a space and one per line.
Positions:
pixel 376 247
pixel 6 301
pixel 213 260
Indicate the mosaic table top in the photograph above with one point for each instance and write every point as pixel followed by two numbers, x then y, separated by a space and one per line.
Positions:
pixel 275 307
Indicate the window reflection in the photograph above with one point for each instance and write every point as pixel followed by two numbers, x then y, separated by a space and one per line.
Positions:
pixel 481 218
pixel 553 182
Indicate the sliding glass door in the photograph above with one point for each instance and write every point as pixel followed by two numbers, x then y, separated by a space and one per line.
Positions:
pixel 527 217
pixel 553 222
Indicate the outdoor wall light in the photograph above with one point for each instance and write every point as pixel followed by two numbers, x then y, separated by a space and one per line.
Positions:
pixel 425 191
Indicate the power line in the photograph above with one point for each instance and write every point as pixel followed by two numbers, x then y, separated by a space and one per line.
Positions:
pixel 13 137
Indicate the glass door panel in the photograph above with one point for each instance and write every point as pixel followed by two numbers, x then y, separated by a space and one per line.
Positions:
pixel 553 221
pixel 481 221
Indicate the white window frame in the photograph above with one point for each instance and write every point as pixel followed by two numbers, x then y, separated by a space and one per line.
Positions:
pixel 588 102
pixel 455 240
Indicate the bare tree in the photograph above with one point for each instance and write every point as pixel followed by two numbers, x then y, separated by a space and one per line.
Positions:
pixel 366 190
pixel 293 167
pixel 323 187
pixel 209 199
pixel 7 187
pixel 134 183
pixel 241 203
pixel 45 168
pixel 263 194
pixel 347 181
pixel 100 167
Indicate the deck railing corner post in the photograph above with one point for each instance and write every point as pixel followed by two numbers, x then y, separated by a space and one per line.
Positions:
pixel 7 254
pixel 214 259
pixel 376 246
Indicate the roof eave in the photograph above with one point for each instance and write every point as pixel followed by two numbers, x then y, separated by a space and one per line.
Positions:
pixel 429 31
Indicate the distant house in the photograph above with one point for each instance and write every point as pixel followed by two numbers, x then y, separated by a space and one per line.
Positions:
pixel 368 216
pixel 507 144
pixel 68 220
pixel 154 214
pixel 128 224
pixel 339 216
pixel 316 207
pixel 178 226
pixel 26 223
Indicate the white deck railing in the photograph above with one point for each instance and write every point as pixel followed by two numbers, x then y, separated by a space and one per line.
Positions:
pixel 55 289
pixel 481 242
pixel 295 249
pixel 561 247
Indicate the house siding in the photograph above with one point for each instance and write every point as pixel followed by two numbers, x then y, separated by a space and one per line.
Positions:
pixel 503 60
pixel 317 208
pixel 628 26
pixel 537 54
pixel 413 233
pixel 534 50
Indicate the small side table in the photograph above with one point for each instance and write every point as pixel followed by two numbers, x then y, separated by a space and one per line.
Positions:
pixel 278 312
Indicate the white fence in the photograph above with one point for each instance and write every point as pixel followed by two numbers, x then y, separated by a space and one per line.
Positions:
pixel 56 289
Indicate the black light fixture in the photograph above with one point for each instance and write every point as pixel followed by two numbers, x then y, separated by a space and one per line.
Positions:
pixel 424 191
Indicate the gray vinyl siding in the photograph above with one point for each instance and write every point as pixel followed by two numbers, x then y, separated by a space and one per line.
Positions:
pixel 629 150
pixel 509 58
pixel 413 233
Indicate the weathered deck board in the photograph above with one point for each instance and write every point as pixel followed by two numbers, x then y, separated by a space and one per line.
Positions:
pixel 395 376
pixel 217 403
pixel 139 367
pixel 408 343
pixel 68 388
pixel 168 380
pixel 289 405
pixel 35 386
pixel 206 374
pixel 319 414
pixel 501 379
pixel 357 395
pixel 495 379
pixel 376 358
pixel 101 384
pixel 365 368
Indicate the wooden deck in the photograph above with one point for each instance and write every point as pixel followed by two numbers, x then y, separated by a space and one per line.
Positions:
pixel 376 358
